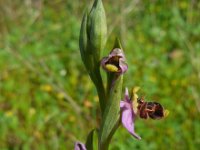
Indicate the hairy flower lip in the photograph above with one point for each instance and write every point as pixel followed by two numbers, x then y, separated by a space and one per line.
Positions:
pixel 159 111
pixel 117 59
pixel 153 110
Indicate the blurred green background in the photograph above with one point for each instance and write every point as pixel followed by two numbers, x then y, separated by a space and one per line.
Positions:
pixel 46 98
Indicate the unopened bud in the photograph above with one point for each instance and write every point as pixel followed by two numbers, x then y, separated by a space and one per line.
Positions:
pixel 97 28
pixel 83 40
pixel 93 35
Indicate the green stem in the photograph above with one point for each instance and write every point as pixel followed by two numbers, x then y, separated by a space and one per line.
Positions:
pixel 105 146
pixel 98 82
pixel 102 96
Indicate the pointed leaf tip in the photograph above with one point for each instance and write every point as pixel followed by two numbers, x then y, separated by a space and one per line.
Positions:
pixel 117 43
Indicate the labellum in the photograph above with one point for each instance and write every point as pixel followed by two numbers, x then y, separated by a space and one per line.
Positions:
pixel 151 110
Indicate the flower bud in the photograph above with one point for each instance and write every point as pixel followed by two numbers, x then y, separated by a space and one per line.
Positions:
pixel 91 41
pixel 97 28
pixel 93 36
pixel 83 40
pixel 87 57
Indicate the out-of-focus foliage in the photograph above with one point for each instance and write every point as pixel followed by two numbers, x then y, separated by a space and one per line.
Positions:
pixel 46 98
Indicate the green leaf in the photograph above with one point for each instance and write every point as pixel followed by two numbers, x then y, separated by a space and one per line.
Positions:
pixel 92 140
pixel 112 113
pixel 117 43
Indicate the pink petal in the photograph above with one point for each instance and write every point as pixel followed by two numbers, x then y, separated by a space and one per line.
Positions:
pixel 103 62
pixel 128 119
pixel 126 96
pixel 123 66
pixel 127 115
pixel 79 146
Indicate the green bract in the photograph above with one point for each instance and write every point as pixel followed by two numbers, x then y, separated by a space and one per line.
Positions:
pixel 93 35
pixel 97 28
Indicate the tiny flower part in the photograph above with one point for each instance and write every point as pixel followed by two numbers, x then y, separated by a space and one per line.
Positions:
pixel 134 98
pixel 128 115
pixel 166 112
pixel 111 68
pixel 151 110
pixel 79 146
pixel 115 62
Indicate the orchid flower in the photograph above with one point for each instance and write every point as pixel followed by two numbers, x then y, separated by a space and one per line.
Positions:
pixel 132 106
pixel 79 146
pixel 115 62
pixel 128 114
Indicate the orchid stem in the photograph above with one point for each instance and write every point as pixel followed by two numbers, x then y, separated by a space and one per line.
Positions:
pixel 98 82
